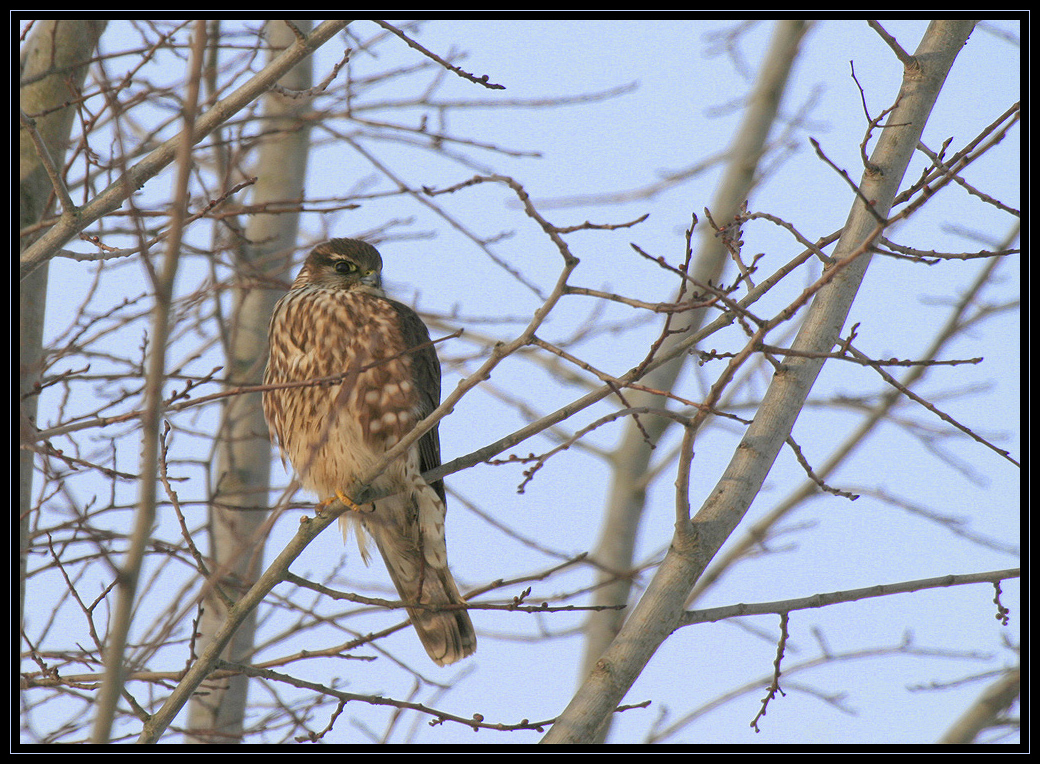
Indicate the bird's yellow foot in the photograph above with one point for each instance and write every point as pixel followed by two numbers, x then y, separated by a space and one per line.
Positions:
pixel 340 497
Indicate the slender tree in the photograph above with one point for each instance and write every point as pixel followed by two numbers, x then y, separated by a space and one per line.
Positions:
pixel 53 66
pixel 242 480
pixel 631 459
pixel 698 538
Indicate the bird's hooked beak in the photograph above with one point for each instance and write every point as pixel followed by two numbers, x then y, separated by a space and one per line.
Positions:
pixel 372 279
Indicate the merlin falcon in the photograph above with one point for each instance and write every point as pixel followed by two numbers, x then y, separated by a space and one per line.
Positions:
pixel 336 322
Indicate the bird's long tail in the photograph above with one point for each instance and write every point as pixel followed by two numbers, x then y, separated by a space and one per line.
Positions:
pixel 424 581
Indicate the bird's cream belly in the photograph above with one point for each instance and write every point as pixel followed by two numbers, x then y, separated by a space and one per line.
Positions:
pixel 339 457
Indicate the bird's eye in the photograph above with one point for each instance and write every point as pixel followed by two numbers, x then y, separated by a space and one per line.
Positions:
pixel 345 267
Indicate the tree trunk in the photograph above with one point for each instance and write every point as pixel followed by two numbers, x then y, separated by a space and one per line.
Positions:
pixel 244 450
pixel 615 549
pixel 658 611
pixel 52 73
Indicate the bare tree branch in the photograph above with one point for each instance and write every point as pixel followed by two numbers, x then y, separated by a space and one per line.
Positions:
pixel 136 176
pixel 659 608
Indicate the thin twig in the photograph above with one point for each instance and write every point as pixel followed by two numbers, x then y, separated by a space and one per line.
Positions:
pixel 482 80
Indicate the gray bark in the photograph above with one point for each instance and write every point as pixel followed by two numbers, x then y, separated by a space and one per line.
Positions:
pixel 237 515
pixel 616 545
pixel 52 72
pixel 694 544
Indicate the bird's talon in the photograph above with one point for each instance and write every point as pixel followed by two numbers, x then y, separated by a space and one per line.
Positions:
pixel 341 497
pixel 347 501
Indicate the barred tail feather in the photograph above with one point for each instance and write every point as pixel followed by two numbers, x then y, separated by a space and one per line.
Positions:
pixel 447 635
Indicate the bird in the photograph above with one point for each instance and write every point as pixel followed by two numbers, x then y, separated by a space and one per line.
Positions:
pixel 337 322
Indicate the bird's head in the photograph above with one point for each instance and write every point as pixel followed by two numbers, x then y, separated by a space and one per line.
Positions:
pixel 342 264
